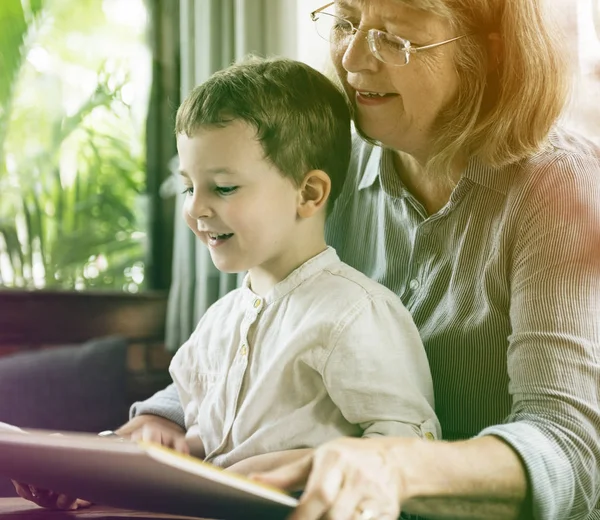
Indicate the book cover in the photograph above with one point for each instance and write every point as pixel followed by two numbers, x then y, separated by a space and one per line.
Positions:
pixel 140 476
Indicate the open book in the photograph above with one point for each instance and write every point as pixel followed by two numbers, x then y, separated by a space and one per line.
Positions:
pixel 141 476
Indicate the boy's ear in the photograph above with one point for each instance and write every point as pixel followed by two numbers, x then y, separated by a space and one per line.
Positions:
pixel 314 193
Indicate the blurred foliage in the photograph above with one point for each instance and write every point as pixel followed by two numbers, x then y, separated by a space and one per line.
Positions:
pixel 72 172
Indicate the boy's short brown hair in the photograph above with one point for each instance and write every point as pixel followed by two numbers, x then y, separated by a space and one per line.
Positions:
pixel 302 119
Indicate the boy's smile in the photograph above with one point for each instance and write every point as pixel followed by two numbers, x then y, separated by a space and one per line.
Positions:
pixel 214 239
pixel 239 204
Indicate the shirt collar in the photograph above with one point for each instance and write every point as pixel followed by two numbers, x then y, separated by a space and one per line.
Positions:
pixel 498 179
pixel 372 167
pixel 309 268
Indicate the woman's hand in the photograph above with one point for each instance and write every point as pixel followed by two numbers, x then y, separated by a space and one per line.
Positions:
pixel 346 479
pixel 152 428
pixel 48 499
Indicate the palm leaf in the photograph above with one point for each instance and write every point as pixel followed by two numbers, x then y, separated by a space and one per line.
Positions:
pixel 13 30
pixel 15 23
pixel 14 249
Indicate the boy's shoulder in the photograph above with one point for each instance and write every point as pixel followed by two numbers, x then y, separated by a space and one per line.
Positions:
pixel 349 282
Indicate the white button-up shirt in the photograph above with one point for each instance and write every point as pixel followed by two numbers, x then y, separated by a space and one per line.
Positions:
pixel 328 352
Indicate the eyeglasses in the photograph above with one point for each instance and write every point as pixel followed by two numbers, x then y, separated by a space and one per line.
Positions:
pixel 386 47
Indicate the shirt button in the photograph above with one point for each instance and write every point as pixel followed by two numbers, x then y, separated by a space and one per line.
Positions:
pixel 429 436
pixel 243 350
pixel 414 284
pixel 257 303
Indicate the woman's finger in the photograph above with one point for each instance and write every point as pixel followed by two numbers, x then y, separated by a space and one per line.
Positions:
pixel 322 488
pixel 292 476
pixel 379 509
pixel 346 504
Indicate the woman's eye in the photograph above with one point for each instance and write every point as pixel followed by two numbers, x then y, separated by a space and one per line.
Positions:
pixel 225 190
pixel 189 190
pixel 346 23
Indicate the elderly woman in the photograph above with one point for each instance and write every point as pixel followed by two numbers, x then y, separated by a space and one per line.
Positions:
pixel 465 199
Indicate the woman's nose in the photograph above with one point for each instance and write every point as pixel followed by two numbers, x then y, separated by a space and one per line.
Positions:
pixel 357 55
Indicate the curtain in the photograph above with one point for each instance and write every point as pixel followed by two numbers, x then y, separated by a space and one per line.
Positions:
pixel 214 34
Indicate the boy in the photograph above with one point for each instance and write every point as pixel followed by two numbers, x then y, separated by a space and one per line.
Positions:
pixel 308 349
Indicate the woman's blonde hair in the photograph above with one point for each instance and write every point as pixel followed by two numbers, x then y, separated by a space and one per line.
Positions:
pixel 506 106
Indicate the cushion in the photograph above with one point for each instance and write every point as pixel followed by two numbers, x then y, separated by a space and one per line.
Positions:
pixel 75 388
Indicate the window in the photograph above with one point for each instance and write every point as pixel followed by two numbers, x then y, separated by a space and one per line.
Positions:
pixel 312 49
pixel 583 29
pixel 75 81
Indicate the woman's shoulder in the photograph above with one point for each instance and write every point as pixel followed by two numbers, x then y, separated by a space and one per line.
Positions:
pixel 566 152
pixel 568 165
pixel 570 143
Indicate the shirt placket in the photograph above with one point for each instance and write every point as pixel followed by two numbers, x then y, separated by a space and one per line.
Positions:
pixel 237 371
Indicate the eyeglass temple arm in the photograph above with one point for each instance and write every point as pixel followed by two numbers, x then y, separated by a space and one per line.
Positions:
pixel 423 47
pixel 317 11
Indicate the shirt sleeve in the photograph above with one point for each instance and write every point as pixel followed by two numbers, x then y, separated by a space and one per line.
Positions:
pixel 554 350
pixel 377 372
pixel 164 403
pixel 170 402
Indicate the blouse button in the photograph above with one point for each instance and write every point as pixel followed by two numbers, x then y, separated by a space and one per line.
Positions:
pixel 257 303
pixel 414 284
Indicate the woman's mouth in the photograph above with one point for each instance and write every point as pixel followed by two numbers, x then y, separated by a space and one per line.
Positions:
pixel 365 97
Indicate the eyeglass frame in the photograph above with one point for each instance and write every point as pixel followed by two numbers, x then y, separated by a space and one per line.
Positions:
pixel 408 47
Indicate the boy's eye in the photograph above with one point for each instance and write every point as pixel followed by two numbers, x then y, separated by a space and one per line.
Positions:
pixel 226 190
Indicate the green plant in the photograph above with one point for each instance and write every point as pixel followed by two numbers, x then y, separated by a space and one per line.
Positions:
pixel 70 180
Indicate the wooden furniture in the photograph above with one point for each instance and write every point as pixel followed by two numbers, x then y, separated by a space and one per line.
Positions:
pixel 32 320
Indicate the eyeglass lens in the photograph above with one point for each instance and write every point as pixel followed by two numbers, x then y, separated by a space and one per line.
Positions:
pixel 386 47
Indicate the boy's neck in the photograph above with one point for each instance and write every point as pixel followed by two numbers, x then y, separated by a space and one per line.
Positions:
pixel 299 250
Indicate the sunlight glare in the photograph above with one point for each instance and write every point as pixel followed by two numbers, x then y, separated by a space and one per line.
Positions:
pixel 40 59
pixel 132 13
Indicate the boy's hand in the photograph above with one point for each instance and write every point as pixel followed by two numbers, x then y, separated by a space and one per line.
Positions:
pixel 48 499
pixel 150 428
pixel 153 428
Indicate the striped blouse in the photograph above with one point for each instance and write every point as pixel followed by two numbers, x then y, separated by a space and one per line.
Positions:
pixel 504 286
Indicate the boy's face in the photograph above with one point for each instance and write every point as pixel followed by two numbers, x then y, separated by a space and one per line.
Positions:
pixel 237 202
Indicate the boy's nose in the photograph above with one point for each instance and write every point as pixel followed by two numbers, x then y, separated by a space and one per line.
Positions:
pixel 197 209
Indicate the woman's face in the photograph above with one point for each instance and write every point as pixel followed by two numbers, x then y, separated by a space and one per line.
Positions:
pixel 415 94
